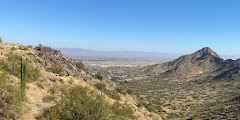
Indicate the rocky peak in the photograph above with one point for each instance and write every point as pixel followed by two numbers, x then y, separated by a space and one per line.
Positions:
pixel 202 61
pixel 206 51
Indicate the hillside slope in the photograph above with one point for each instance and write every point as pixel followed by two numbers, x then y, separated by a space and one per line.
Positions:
pixel 229 71
pixel 57 74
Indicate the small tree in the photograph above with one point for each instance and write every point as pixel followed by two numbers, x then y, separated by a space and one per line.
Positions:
pixel 99 76
pixel 80 65
pixel 0 39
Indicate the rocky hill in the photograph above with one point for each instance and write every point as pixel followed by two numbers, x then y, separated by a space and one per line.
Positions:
pixel 52 80
pixel 202 61
pixel 230 71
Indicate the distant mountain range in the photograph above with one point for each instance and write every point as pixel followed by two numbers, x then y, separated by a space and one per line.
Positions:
pixel 77 53
pixel 203 62
pixel 85 53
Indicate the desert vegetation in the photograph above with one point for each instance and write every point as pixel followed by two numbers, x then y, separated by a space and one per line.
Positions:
pixel 79 102
pixel 188 100
pixel 12 93
pixel 80 65
pixel 111 93
pixel 12 65
pixel 57 69
pixel 174 91
pixel 11 104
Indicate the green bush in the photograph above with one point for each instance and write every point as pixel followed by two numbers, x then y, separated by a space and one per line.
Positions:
pixel 120 111
pixel 120 90
pixel 10 102
pixel 124 91
pixel 98 76
pixel 55 69
pixel 141 104
pixel 23 47
pixel 30 46
pixel 32 73
pixel 111 93
pixel 172 116
pixel 80 65
pixel 81 103
pixel 149 107
pixel 129 91
pixel 13 66
pixel 101 86
pixel 3 65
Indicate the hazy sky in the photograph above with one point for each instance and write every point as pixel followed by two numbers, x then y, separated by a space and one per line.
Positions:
pixel 166 26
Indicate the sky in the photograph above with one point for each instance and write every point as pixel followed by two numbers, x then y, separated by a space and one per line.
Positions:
pixel 164 26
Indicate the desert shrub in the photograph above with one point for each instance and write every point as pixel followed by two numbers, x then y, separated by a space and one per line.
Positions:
pixel 30 46
pixel 98 76
pixel 111 93
pixel 159 108
pixel 121 111
pixel 32 73
pixel 10 102
pixel 80 65
pixel 129 91
pixel 40 45
pixel 23 47
pixel 40 54
pixel 142 104
pixel 1 40
pixel 53 93
pixel 101 86
pixel 81 103
pixel 172 116
pixel 149 107
pixel 55 69
pixel 13 66
pixel 3 65
pixel 120 90
pixel 13 48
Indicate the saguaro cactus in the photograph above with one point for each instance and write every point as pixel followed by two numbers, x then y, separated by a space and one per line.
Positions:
pixel 23 82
